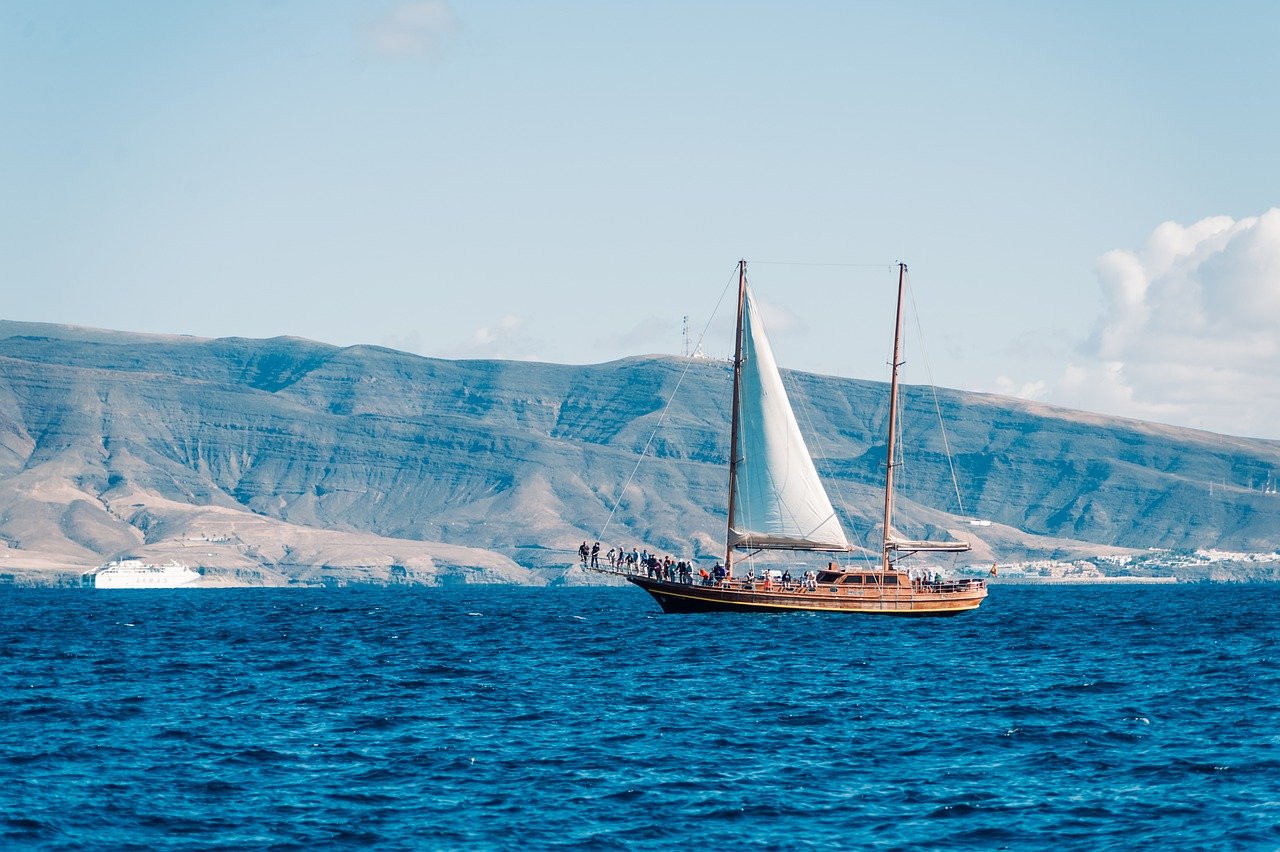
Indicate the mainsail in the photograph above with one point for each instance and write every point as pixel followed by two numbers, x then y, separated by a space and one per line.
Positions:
pixel 778 501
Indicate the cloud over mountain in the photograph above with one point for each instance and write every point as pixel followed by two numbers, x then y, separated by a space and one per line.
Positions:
pixel 1188 331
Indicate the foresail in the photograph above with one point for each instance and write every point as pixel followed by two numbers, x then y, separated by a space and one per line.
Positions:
pixel 779 502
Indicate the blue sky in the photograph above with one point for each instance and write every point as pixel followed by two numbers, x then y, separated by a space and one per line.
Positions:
pixel 565 181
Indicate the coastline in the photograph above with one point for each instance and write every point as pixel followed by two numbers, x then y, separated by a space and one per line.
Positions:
pixel 1081 581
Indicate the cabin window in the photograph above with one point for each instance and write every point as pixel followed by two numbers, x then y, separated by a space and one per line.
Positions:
pixel 852 578
pixel 835 590
pixel 891 579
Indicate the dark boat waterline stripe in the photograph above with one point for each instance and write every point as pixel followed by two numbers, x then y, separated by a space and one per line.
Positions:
pixel 711 603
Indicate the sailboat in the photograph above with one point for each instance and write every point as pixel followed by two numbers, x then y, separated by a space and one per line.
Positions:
pixel 776 501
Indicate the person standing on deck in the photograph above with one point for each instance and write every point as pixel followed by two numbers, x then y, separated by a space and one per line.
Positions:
pixel 582 554
pixel 595 555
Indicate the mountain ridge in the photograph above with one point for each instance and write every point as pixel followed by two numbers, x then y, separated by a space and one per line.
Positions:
pixel 97 427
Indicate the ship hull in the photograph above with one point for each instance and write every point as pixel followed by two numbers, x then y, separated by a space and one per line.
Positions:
pixel 135 574
pixel 953 599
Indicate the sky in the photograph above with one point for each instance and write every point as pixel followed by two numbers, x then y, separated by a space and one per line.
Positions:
pixel 1085 194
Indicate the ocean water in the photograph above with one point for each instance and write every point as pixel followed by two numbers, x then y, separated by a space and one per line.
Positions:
pixel 1064 718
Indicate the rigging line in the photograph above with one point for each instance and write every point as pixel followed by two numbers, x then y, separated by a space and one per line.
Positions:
pixel 937 406
pixel 806 263
pixel 791 516
pixel 662 418
pixel 742 481
pixel 807 414
pixel 899 462
pixel 744 486
pixel 788 378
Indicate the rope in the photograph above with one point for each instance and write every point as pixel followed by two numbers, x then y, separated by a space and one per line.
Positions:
pixel 933 388
pixel 805 412
pixel 662 417
pixel 844 265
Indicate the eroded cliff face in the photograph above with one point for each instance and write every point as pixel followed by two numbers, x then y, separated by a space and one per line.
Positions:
pixel 306 462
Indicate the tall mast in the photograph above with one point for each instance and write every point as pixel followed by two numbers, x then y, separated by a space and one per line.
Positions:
pixel 893 419
pixel 733 428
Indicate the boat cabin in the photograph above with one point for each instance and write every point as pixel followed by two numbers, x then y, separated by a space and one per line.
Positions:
pixel 859 578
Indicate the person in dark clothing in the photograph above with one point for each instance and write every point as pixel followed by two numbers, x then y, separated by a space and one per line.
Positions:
pixel 582 554
pixel 595 555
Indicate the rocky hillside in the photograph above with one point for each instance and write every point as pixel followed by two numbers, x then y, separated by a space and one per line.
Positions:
pixel 285 460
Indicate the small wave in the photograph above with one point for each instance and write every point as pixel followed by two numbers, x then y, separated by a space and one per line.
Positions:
pixel 256 756
pixel 960 809
pixel 176 734
pixel 1090 686
pixel 218 787
pixel 367 723
pixel 25 758
pixel 27 829
pixel 359 798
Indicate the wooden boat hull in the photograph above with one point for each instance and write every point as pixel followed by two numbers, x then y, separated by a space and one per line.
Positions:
pixel 953 599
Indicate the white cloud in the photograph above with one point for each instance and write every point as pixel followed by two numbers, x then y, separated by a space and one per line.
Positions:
pixel 780 321
pixel 1190 329
pixel 507 340
pixel 1027 390
pixel 490 334
pixel 409 29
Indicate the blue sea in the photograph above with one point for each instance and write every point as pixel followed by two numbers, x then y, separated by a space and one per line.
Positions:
pixel 510 718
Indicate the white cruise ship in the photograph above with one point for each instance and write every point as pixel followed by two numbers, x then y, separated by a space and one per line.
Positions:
pixel 136 574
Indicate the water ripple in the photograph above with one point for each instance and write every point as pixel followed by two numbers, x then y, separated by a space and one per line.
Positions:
pixel 1099 718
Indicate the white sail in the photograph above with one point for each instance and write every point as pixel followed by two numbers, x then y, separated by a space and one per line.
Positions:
pixel 779 502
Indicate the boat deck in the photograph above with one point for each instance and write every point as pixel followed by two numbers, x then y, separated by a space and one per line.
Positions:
pixel 848 592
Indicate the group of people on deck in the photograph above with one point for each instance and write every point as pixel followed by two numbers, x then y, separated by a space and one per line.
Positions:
pixel 772 581
pixel 641 561
pixel 636 561
pixel 923 578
